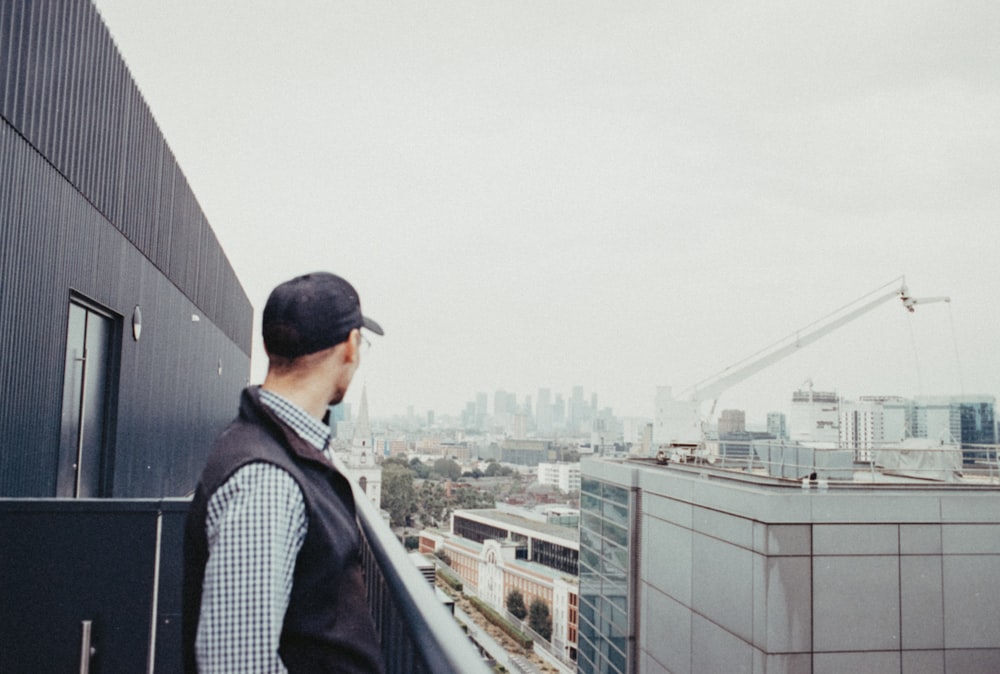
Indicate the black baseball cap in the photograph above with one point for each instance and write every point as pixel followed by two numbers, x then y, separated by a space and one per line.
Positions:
pixel 310 313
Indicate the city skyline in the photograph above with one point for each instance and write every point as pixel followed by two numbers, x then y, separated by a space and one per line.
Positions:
pixel 622 198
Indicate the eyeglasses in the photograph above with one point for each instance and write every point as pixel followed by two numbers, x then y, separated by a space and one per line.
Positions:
pixel 363 344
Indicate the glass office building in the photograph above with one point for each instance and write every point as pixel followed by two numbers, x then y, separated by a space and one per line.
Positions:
pixel 605 572
pixel 697 569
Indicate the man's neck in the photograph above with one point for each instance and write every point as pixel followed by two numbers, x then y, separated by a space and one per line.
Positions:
pixel 298 391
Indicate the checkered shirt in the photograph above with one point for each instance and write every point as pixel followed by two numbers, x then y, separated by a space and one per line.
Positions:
pixel 256 525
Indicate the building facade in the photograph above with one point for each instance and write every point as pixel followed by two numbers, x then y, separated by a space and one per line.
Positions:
pixel 815 416
pixel 732 421
pixel 125 333
pixel 565 476
pixel 494 552
pixel 777 426
pixel 701 570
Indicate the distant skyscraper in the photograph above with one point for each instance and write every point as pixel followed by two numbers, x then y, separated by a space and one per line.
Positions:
pixel 872 422
pixel 815 416
pixel 969 420
pixel 482 409
pixel 936 418
pixel 577 414
pixel 559 413
pixel 732 421
pixel 543 412
pixel 776 425
pixel 336 414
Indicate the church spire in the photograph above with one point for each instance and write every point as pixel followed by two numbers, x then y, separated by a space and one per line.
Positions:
pixel 362 428
pixel 361 445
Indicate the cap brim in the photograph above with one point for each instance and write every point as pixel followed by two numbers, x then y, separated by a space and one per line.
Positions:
pixel 371 325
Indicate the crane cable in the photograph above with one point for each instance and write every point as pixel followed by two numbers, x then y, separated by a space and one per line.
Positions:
pixel 958 360
pixel 916 354
pixel 954 344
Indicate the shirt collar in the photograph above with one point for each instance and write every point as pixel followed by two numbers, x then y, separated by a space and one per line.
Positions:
pixel 306 426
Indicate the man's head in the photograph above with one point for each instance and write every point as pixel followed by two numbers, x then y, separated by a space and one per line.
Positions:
pixel 311 329
pixel 311 313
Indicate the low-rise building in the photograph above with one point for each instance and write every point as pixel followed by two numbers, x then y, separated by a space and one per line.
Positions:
pixel 565 476
pixel 494 552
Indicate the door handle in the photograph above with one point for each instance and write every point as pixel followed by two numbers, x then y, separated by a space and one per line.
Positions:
pixel 86 650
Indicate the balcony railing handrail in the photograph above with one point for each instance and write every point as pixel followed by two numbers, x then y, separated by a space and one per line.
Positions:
pixel 438 642
pixel 952 465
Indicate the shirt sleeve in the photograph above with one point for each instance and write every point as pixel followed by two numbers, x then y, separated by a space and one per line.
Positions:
pixel 255 526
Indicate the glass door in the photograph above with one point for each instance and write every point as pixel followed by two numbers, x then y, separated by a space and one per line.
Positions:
pixel 87 395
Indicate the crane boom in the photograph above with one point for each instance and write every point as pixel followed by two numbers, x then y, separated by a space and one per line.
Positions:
pixel 711 388
pixel 680 420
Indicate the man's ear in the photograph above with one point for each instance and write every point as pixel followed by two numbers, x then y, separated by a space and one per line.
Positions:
pixel 351 346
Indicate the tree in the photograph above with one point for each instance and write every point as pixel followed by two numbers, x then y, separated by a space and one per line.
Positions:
pixel 447 468
pixel 399 497
pixel 418 467
pixel 515 604
pixel 470 499
pixel 431 503
pixel 539 618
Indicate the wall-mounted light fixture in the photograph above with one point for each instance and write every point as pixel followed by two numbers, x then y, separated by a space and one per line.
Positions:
pixel 136 323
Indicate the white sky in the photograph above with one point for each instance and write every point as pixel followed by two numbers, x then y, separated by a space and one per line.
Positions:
pixel 615 195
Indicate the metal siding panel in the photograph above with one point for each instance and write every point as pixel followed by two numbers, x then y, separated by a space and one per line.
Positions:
pixel 15 78
pixel 69 96
pixel 70 160
pixel 7 36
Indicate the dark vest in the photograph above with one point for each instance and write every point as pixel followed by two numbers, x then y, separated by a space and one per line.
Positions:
pixel 328 626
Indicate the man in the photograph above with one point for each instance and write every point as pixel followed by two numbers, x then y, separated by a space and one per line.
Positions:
pixel 272 574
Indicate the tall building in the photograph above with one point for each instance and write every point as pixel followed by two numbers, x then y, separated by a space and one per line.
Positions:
pixel 777 426
pixel 482 410
pixel 565 476
pixel 692 568
pixel 873 422
pixel 543 412
pixel 967 419
pixel 732 421
pixel 815 416
pixel 937 418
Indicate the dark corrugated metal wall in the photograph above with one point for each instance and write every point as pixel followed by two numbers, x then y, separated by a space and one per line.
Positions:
pixel 92 201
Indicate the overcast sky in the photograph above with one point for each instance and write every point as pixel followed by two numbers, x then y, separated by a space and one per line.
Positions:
pixel 614 195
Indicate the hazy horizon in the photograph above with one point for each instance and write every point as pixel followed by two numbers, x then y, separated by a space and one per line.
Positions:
pixel 613 196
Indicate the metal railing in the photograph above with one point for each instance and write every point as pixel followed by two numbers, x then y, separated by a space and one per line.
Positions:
pixel 889 462
pixel 112 568
pixel 418 633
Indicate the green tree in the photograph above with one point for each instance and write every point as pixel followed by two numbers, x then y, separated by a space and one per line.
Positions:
pixel 539 618
pixel 447 468
pixel 399 497
pixel 418 467
pixel 470 499
pixel 515 604
pixel 432 504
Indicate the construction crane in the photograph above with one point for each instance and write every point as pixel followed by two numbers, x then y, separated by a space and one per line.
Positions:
pixel 680 425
